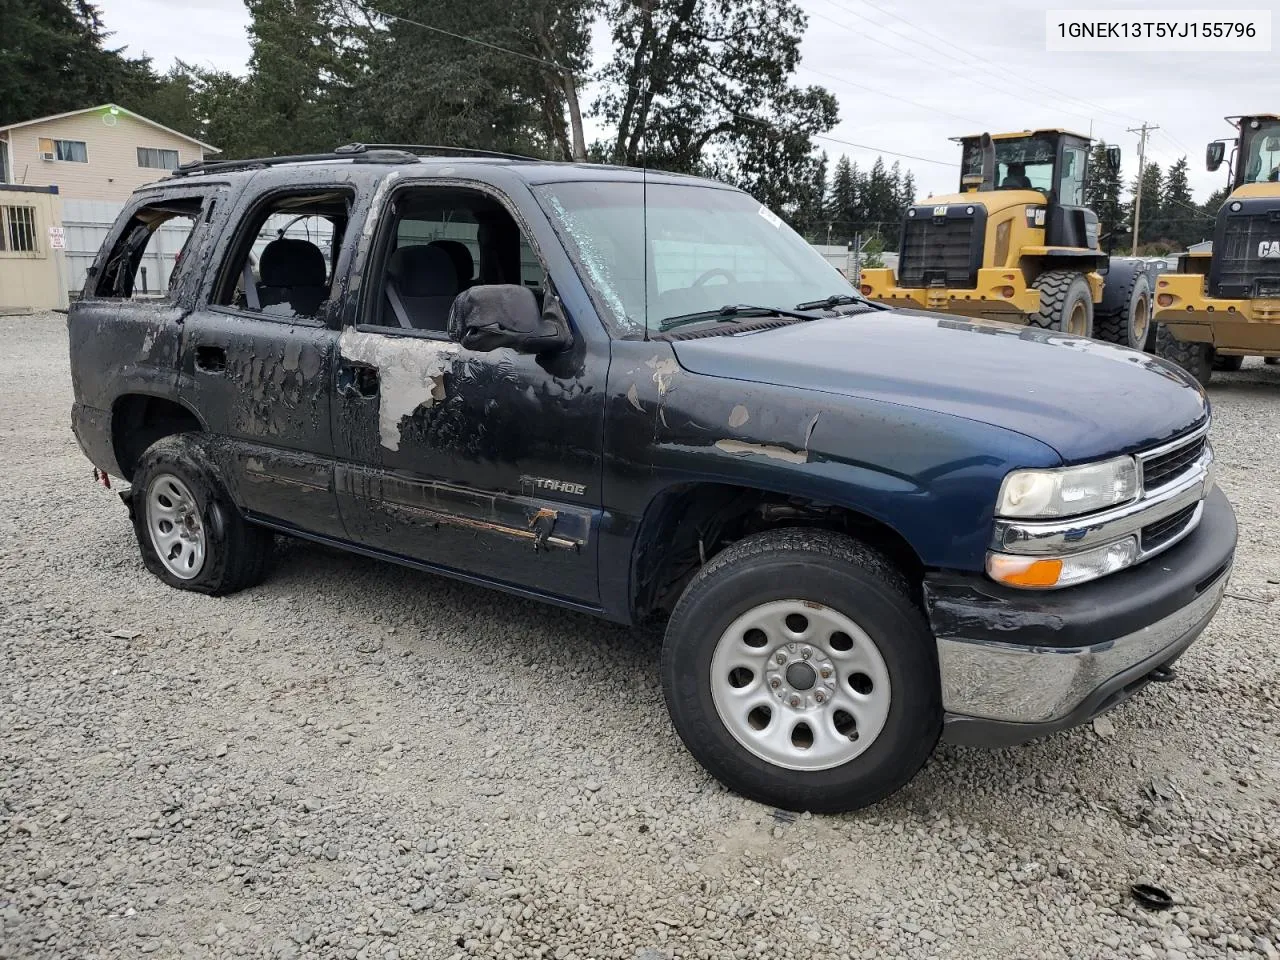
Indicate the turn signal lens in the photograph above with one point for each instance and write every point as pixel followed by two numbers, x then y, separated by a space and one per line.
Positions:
pixel 1006 292
pixel 866 289
pixel 1045 573
pixel 1165 299
pixel 1024 571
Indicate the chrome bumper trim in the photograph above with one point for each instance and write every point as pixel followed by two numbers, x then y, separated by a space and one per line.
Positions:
pixel 1060 537
pixel 1020 684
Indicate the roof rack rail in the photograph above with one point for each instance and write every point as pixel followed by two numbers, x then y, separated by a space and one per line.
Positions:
pixel 363 155
pixel 432 148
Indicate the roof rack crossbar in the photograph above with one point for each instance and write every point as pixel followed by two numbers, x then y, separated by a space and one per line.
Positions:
pixel 376 155
pixel 432 148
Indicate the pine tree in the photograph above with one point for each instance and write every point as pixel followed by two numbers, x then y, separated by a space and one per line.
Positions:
pixel 1150 183
pixel 1102 196
pixel 841 201
pixel 1183 223
pixel 54 58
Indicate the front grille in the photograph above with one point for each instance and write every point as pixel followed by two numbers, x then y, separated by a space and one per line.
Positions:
pixel 1162 531
pixel 1170 465
pixel 1237 265
pixel 940 250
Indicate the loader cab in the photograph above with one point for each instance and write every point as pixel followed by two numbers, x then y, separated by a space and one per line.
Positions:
pixel 1257 156
pixel 1053 163
pixel 1245 264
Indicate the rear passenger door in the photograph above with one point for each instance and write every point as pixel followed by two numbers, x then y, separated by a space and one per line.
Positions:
pixel 138 292
pixel 257 354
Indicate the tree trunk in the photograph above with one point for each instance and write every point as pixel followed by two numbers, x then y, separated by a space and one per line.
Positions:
pixel 575 117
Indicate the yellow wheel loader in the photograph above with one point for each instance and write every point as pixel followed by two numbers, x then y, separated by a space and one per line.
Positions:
pixel 1223 304
pixel 1017 243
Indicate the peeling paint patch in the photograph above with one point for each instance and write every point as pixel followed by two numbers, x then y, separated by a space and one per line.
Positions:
pixel 663 371
pixel 740 448
pixel 410 374
pixel 633 397
pixel 738 416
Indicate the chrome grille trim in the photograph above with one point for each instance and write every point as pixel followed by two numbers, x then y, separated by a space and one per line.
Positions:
pixel 1159 455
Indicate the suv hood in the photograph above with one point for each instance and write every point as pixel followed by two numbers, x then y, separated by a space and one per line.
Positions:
pixel 1085 399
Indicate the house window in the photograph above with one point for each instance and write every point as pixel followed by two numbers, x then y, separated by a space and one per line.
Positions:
pixel 71 151
pixel 158 159
pixel 18 229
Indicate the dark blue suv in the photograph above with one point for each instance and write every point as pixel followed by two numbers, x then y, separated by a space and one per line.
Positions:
pixel 643 396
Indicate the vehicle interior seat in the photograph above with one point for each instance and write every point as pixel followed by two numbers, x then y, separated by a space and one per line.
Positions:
pixel 464 263
pixel 293 274
pixel 422 283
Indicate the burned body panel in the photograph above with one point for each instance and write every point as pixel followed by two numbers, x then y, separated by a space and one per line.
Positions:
pixel 669 427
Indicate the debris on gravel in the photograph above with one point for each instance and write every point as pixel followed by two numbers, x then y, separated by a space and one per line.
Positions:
pixel 359 761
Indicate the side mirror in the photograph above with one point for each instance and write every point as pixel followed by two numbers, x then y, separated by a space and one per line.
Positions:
pixel 504 315
pixel 1214 154
pixel 1113 159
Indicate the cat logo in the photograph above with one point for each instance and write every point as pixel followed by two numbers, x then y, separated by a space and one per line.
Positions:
pixel 940 210
pixel 1269 249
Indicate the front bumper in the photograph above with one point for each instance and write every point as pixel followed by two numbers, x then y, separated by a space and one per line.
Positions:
pixel 1231 326
pixel 986 299
pixel 1017 665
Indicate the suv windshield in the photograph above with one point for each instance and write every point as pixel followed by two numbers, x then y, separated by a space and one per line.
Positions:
pixel 706 248
pixel 1260 151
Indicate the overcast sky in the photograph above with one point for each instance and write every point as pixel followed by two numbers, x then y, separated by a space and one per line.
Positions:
pixel 960 68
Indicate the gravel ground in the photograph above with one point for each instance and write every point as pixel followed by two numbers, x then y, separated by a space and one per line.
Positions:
pixel 356 760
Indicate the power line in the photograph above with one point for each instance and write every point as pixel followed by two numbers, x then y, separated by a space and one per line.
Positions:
pixel 560 67
pixel 891 96
pixel 978 62
pixel 908 53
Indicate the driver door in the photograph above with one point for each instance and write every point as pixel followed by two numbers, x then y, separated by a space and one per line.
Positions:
pixel 482 464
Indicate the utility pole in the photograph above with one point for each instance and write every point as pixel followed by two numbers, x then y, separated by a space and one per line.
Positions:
pixel 1137 194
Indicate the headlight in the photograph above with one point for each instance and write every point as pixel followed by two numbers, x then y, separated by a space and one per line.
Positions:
pixel 1068 491
pixel 1045 573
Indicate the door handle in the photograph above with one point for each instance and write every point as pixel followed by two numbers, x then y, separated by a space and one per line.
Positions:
pixel 357 382
pixel 211 359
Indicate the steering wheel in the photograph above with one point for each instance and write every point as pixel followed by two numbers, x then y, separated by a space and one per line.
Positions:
pixel 715 272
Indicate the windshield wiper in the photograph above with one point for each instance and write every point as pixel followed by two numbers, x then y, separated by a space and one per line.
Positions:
pixel 732 312
pixel 836 300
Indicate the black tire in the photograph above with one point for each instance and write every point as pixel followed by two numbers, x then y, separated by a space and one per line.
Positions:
pixel 854 581
pixel 1062 293
pixel 1195 358
pixel 236 554
pixel 1130 323
pixel 1227 362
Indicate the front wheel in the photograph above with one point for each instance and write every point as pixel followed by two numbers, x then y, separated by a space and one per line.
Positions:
pixel 1195 358
pixel 1066 303
pixel 799 672
pixel 1227 362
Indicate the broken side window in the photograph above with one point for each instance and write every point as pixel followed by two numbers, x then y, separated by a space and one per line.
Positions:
pixel 444 240
pixel 283 261
pixel 147 259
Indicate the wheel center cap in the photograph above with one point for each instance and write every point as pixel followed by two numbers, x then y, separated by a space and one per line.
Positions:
pixel 801 676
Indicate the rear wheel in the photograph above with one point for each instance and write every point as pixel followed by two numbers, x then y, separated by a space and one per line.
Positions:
pixel 190 533
pixel 798 671
pixel 1130 324
pixel 1227 363
pixel 1066 303
pixel 1195 358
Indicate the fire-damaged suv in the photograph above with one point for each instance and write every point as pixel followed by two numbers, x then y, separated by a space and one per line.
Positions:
pixel 642 396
